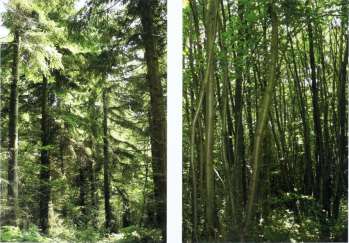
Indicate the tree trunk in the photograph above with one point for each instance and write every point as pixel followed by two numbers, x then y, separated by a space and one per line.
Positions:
pixel 210 118
pixel 308 172
pixel 82 192
pixel 343 131
pixel 263 116
pixel 147 9
pixel 316 111
pixel 45 188
pixel 230 214
pixel 94 162
pixel 239 162
pixel 13 136
pixel 106 179
pixel 193 166
pixel 320 191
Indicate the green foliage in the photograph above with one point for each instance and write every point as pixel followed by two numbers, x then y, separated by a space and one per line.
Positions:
pixel 10 233
pixel 61 230
pixel 340 226
pixel 135 234
pixel 290 197
pixel 301 178
pixel 81 54
pixel 14 234
pixel 88 234
pixel 32 234
pixel 66 233
pixel 284 226
pixel 39 34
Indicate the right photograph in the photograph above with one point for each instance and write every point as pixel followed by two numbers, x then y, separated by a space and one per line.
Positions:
pixel 265 120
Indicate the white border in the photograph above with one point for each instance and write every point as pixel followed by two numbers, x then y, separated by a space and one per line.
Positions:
pixel 174 121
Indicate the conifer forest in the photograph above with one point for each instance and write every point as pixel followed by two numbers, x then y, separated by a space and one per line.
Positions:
pixel 265 114
pixel 83 121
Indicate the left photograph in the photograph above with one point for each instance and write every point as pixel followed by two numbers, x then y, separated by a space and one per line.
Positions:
pixel 83 121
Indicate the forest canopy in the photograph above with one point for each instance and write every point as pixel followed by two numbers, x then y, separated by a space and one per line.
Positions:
pixel 83 148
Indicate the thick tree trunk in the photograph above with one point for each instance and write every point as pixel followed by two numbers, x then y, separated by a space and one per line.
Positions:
pixel 147 9
pixel 45 188
pixel 13 136
pixel 106 179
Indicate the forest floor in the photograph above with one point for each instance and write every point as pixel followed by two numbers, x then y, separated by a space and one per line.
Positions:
pixel 64 234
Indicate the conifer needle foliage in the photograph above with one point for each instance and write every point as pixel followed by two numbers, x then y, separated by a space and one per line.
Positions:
pixel 83 148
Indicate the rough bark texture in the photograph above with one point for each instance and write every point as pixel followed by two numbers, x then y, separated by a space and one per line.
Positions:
pixel 13 136
pixel 157 109
pixel 45 189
